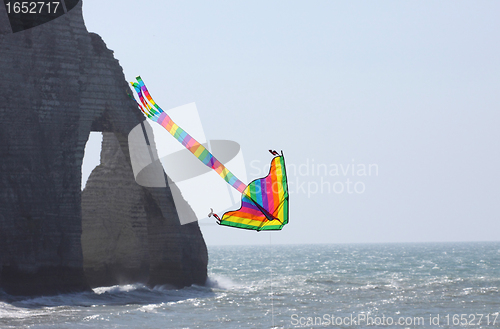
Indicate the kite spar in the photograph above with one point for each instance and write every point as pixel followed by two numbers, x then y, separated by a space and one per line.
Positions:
pixel 264 202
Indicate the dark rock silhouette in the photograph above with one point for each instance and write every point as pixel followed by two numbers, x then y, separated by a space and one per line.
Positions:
pixel 58 83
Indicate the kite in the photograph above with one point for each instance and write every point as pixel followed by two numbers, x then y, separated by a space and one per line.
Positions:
pixel 264 202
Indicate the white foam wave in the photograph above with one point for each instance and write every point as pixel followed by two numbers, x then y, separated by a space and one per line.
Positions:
pixel 114 295
pixel 119 289
pixel 220 282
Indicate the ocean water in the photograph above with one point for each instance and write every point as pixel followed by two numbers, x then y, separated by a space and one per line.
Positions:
pixel 446 285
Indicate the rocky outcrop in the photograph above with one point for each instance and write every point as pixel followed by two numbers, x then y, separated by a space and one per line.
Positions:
pixel 115 232
pixel 58 83
pixel 126 235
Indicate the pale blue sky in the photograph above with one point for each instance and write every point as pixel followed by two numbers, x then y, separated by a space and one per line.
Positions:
pixel 410 86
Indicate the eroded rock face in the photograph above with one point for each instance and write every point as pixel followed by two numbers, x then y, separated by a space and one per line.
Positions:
pixel 115 232
pixel 58 83
pixel 127 238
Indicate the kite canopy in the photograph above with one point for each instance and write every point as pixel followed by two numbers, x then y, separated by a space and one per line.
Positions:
pixel 264 204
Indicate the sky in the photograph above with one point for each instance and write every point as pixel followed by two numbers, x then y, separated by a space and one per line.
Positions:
pixel 387 111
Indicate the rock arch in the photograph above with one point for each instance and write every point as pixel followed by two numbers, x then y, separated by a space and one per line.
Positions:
pixel 59 83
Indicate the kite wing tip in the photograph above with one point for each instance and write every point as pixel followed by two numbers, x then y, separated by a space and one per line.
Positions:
pixel 215 215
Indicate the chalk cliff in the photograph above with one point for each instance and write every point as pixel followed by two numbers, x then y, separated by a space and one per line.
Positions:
pixel 58 83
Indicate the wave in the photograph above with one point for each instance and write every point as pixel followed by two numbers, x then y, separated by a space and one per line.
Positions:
pixel 138 294
pixel 221 283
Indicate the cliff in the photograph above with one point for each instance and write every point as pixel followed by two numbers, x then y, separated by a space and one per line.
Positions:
pixel 58 83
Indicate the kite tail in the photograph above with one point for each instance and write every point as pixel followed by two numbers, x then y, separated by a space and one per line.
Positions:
pixel 155 113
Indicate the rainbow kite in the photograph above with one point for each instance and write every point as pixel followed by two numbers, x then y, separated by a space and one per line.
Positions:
pixel 264 203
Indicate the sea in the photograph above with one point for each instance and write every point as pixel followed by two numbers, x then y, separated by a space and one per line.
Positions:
pixel 426 285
